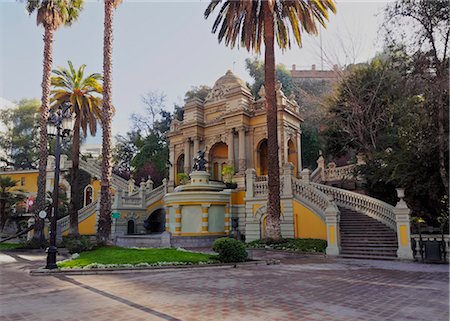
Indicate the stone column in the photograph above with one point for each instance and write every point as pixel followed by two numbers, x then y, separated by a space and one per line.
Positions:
pixel 250 176
pixel 205 218
pixel 285 148
pixel 332 221
pixel 288 173
pixel 231 147
pixel 177 220
pixel 321 165
pixel 227 218
pixel 172 168
pixel 299 151
pixel 196 146
pixel 167 219
pixel 280 142
pixel 242 158
pixel 187 156
pixel 402 219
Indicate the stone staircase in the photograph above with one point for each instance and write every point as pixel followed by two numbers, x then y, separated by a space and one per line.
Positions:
pixel 365 237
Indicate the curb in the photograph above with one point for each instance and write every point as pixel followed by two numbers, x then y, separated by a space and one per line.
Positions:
pixel 167 268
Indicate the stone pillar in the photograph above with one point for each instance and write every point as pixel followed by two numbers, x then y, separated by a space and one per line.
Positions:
pixel 321 165
pixel 205 218
pixel 227 218
pixel 299 151
pixel 306 176
pixel 118 199
pixel 242 158
pixel 332 221
pixel 196 146
pixel 280 142
pixel 172 168
pixel 131 186
pixel 142 187
pixel 31 223
pixel 149 184
pixel 288 173
pixel 177 220
pixel 231 147
pixel 285 147
pixel 167 219
pixel 250 177
pixel 402 219
pixel 187 156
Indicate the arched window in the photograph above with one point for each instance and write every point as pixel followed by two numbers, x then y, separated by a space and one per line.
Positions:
pixel 130 227
pixel 88 195
pixel 262 158
pixel 292 155
pixel 218 155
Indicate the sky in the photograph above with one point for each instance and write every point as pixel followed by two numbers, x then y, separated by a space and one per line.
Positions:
pixel 165 46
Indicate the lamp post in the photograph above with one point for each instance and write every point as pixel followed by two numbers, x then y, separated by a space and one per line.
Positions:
pixel 59 124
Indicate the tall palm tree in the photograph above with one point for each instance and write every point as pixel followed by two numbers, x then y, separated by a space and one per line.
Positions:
pixel 83 94
pixel 253 22
pixel 51 14
pixel 104 221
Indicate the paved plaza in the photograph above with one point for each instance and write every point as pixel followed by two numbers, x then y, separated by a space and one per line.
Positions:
pixel 300 288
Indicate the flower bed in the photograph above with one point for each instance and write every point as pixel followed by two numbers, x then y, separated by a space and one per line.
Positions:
pixel 298 245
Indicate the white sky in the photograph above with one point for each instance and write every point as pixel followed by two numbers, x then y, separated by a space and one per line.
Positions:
pixel 164 46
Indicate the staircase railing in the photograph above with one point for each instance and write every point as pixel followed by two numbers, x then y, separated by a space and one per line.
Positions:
pixel 155 195
pixel 370 206
pixel 95 169
pixel 311 196
pixel 84 213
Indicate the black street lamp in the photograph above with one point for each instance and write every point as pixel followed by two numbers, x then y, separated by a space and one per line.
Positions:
pixel 59 124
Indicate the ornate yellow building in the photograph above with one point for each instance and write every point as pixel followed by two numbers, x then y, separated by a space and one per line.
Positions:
pixel 230 126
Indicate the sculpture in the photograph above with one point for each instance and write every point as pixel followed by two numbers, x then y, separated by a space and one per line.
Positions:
pixel 200 162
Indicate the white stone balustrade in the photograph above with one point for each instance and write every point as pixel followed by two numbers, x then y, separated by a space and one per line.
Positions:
pixel 431 237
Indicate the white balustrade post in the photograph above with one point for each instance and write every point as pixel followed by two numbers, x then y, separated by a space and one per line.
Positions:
pixel 131 186
pixel 402 219
pixel 250 177
pixel 321 165
pixel 30 233
pixel 333 237
pixel 117 198
pixel 142 187
pixel 149 184
pixel 288 173
pixel 164 183
pixel 306 176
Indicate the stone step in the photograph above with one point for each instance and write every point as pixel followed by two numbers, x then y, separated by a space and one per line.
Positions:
pixel 367 257
pixel 346 249
pixel 368 242
pixel 371 253
pixel 366 233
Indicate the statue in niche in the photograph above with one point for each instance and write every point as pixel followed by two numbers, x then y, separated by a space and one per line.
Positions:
pixel 200 162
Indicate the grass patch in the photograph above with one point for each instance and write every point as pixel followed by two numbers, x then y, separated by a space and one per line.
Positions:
pixel 10 246
pixel 300 245
pixel 113 255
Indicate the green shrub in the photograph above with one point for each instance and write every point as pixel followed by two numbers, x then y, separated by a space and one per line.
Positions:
pixel 299 245
pixel 78 244
pixel 33 244
pixel 230 250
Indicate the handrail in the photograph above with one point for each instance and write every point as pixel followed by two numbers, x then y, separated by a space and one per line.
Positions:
pixel 316 175
pixel 311 196
pixel 379 210
pixel 155 194
pixel 94 168
pixel 83 213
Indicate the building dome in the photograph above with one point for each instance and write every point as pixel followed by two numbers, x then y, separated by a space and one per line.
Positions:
pixel 230 80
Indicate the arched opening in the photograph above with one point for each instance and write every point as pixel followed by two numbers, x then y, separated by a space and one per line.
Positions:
pixel 179 168
pixel 130 227
pixel 218 155
pixel 88 195
pixel 156 222
pixel 292 155
pixel 262 158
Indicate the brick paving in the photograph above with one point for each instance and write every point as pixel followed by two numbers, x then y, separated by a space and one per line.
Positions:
pixel 301 288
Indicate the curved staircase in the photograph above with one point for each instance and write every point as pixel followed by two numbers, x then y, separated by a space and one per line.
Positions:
pixel 365 237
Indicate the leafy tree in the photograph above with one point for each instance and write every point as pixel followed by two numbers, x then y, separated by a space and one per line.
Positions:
pixel 20 138
pixel 51 14
pixel 83 95
pixel 199 92
pixel 423 28
pixel 104 221
pixel 7 198
pixel 310 146
pixel 254 22
pixel 255 68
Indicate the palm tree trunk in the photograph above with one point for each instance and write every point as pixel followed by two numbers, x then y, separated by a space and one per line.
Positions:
pixel 74 193
pixel 104 222
pixel 273 230
pixel 2 210
pixel 43 151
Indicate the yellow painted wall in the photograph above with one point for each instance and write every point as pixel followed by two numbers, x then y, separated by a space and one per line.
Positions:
pixel 88 227
pixel 30 183
pixel 307 223
pixel 258 120
pixel 96 186
pixel 237 198
pixel 151 208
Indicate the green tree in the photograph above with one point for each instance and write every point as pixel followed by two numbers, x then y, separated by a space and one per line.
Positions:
pixel 7 198
pixel 19 140
pixel 84 96
pixel 104 220
pixel 255 68
pixel 51 14
pixel 255 22
pixel 199 92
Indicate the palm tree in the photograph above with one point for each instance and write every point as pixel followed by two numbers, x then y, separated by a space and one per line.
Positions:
pixel 51 14
pixel 104 221
pixel 82 93
pixel 6 197
pixel 251 22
